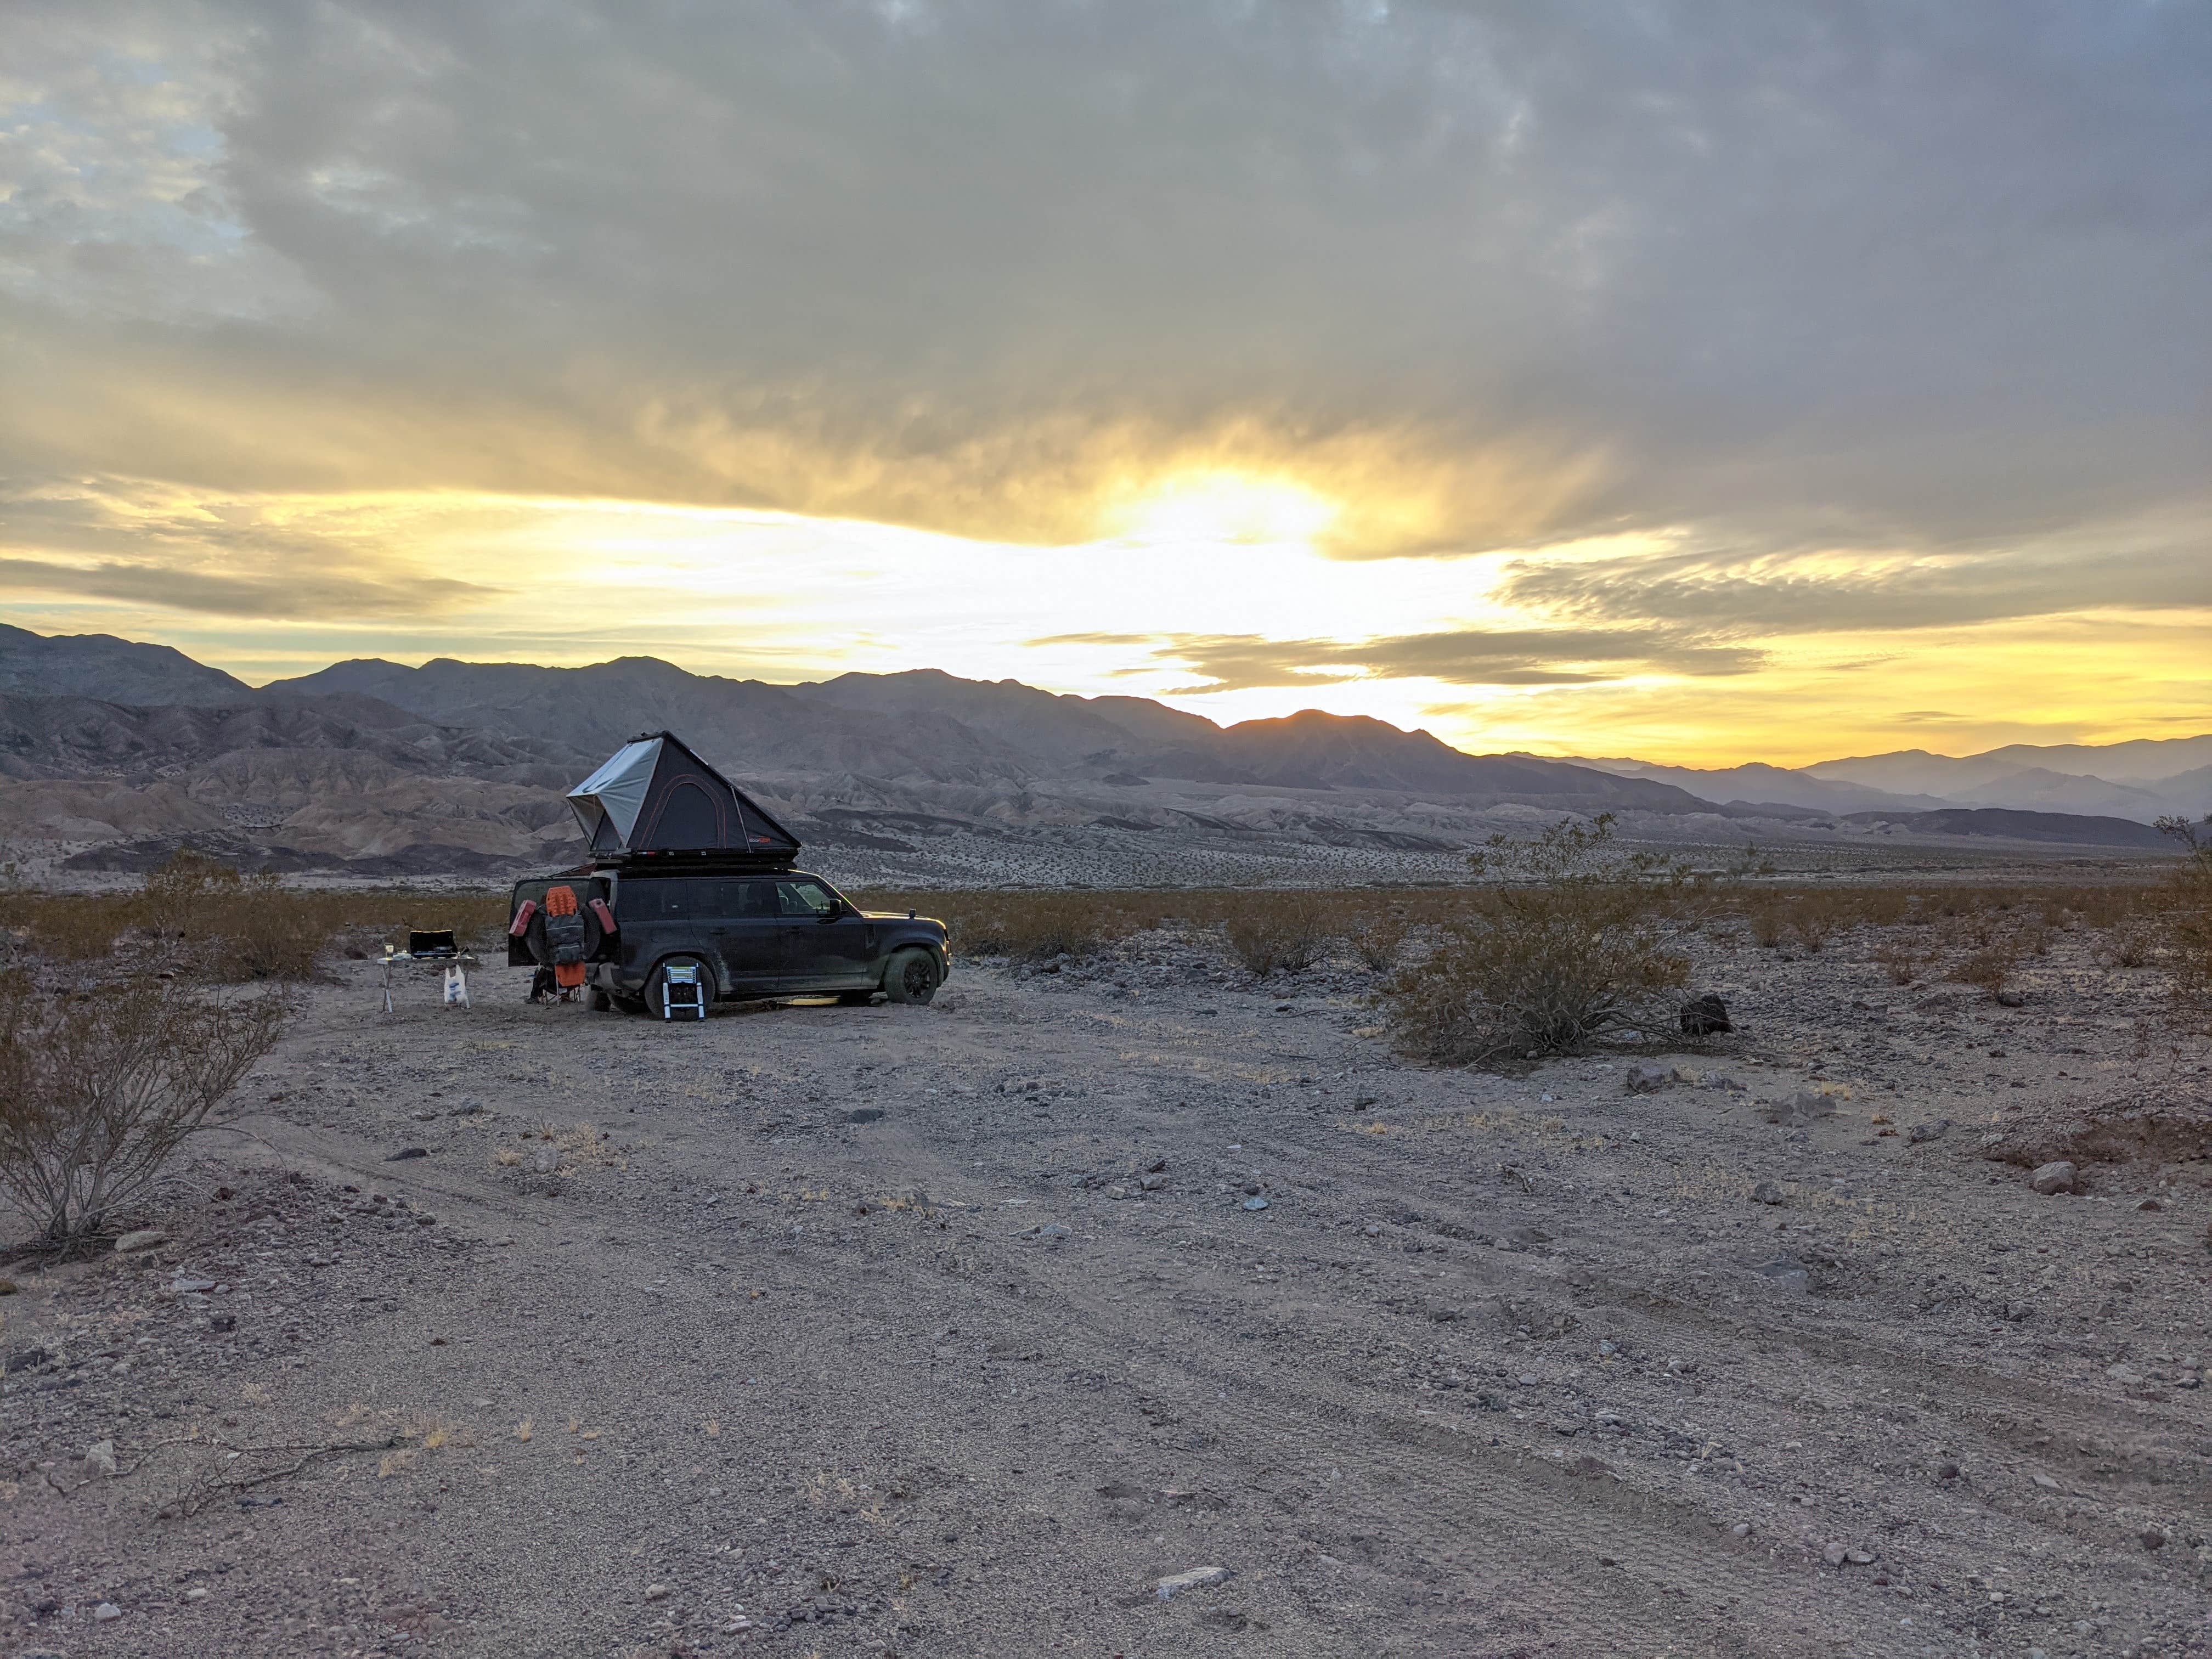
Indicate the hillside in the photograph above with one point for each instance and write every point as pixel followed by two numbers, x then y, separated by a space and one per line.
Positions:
pixel 375 765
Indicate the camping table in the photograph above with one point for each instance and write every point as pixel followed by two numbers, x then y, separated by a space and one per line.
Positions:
pixel 456 967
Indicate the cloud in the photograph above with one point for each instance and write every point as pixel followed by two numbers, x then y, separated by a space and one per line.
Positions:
pixel 2131 565
pixel 1469 656
pixel 1486 277
pixel 286 596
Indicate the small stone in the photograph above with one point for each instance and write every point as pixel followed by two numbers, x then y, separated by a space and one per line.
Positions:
pixel 546 1160
pixel 2046 1483
pixel 656 1592
pixel 1920 1133
pixel 1053 1229
pixel 2053 1178
pixel 406 1153
pixel 2010 999
pixel 1195 1578
pixel 196 1593
pixel 1787 1272
pixel 99 1457
pixel 1255 1203
pixel 106 1613
pixel 1640 1080
pixel 1741 1529
pixel 1152 1183
pixel 1768 1192
pixel 144 1239
pixel 1117 1191
pixel 1835 1554
pixel 1860 1557
pixel 2149 1204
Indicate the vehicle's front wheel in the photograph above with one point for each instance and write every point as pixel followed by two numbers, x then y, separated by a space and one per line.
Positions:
pixel 912 977
pixel 656 988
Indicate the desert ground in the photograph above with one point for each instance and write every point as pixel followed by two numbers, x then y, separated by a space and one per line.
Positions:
pixel 524 1330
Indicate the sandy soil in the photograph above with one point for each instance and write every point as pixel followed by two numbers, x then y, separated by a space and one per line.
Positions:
pixel 823 1330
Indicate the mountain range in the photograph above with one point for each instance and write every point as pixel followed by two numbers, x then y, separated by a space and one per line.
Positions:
pixel 112 750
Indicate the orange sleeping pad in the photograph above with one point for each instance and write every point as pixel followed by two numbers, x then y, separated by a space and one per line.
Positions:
pixel 560 902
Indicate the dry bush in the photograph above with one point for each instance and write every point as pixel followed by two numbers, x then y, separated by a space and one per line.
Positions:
pixel 1566 946
pixel 2131 943
pixel 199 914
pixel 2187 918
pixel 98 1089
pixel 1987 969
pixel 1766 920
pixel 1288 930
pixel 1899 962
pixel 1813 920
pixel 1378 939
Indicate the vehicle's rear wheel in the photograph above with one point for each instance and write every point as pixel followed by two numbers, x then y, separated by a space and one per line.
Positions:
pixel 912 977
pixel 656 988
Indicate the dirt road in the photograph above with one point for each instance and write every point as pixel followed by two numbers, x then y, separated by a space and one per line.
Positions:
pixel 954 1331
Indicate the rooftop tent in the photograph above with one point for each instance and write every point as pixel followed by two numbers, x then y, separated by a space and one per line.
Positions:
pixel 655 795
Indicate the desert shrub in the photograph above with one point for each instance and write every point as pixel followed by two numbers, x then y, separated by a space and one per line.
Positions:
pixel 98 1089
pixel 1290 931
pixel 1899 962
pixel 198 913
pixel 2130 943
pixel 1766 918
pixel 2188 917
pixel 75 927
pixel 1378 939
pixel 1987 968
pixel 1566 944
pixel 1813 920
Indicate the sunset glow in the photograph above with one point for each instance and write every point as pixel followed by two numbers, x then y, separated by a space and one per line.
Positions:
pixel 1375 367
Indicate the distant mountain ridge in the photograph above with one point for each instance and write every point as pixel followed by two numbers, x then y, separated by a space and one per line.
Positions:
pixel 2019 777
pixel 927 724
pixel 386 768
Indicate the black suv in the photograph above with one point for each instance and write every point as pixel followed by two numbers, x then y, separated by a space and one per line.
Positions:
pixel 766 933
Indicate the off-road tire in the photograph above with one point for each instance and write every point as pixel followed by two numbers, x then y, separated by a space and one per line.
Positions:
pixel 912 977
pixel 654 987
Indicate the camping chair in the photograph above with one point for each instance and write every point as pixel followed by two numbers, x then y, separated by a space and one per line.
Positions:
pixel 680 990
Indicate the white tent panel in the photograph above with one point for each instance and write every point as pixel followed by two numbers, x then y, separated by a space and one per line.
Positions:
pixel 617 790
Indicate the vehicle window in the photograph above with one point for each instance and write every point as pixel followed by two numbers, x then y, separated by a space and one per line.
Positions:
pixel 671 901
pixel 756 898
pixel 804 898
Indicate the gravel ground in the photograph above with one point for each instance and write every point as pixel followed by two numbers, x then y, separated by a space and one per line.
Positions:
pixel 955 1331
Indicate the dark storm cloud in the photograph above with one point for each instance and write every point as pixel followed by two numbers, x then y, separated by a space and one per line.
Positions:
pixel 1845 274
pixel 1562 656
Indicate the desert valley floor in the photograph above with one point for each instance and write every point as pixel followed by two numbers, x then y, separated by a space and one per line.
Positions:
pixel 955 1331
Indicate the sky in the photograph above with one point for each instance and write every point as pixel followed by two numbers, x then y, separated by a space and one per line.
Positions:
pixel 1705 380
